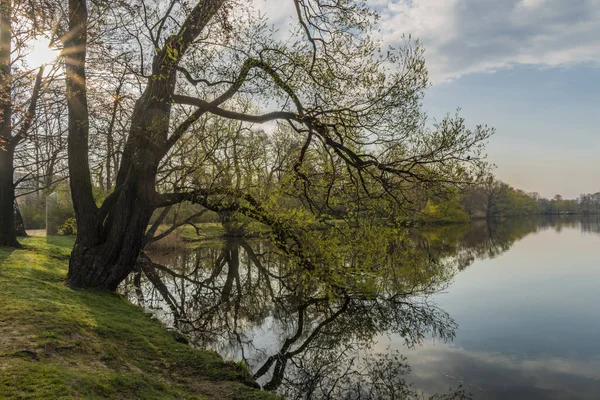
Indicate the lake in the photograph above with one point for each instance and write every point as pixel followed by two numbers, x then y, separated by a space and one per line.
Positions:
pixel 506 310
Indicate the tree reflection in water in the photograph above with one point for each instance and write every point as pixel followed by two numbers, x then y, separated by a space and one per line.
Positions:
pixel 308 337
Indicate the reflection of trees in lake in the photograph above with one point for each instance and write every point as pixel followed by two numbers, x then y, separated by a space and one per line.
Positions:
pixel 312 336
pixel 299 336
pixel 463 244
pixel 587 224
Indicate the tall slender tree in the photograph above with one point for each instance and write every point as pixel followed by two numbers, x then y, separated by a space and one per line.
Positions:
pixel 7 146
pixel 9 136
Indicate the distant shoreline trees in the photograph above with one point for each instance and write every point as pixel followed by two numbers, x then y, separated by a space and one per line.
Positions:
pixel 493 199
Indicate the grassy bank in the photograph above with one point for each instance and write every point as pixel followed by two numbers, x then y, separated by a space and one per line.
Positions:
pixel 59 343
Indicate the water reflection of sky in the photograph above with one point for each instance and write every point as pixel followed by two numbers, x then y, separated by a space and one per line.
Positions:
pixel 529 323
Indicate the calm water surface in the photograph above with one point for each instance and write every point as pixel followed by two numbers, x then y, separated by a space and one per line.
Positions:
pixel 516 316
pixel 528 320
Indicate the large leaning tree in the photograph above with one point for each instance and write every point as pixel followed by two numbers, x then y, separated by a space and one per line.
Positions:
pixel 354 107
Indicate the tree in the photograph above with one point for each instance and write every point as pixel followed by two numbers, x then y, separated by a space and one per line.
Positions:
pixel 487 199
pixel 11 134
pixel 348 100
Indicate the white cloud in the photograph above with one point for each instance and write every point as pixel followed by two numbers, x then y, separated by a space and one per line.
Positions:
pixel 529 4
pixel 279 14
pixel 435 367
pixel 467 36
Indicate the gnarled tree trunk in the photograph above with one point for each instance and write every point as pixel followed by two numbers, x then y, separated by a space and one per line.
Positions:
pixel 109 242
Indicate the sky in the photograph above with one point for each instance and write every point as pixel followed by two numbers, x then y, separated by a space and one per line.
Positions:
pixel 528 68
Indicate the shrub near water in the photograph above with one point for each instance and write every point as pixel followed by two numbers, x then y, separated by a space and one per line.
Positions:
pixel 68 228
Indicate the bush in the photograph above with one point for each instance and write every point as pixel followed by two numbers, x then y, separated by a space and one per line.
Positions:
pixel 33 213
pixel 59 208
pixel 446 212
pixel 68 228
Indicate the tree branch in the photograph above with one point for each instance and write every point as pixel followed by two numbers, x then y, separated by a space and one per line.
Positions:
pixel 30 114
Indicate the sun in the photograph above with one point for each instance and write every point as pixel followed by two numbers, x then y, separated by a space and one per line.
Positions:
pixel 41 53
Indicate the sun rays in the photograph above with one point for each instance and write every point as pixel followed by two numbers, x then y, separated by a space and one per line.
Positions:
pixel 42 53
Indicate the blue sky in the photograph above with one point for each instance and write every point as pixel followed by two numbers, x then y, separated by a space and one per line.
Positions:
pixel 547 134
pixel 529 68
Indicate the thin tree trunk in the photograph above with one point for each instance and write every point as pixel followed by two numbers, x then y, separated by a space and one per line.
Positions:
pixel 110 135
pixel 8 236
pixel 8 140
pixel 234 226
pixel 19 224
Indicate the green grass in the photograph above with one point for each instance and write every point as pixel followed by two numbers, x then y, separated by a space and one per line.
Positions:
pixel 207 230
pixel 214 230
pixel 60 343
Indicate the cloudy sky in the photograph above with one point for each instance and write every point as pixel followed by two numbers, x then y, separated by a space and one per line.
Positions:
pixel 529 68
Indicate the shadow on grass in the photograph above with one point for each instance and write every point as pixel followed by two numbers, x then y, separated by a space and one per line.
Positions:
pixel 93 343
pixel 5 252
pixel 65 242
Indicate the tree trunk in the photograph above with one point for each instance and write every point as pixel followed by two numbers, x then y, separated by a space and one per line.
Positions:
pixel 19 224
pixel 107 248
pixel 233 224
pixel 110 240
pixel 104 256
pixel 8 236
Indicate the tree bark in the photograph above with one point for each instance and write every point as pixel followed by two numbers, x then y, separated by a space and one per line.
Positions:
pixel 8 236
pixel 106 252
pixel 109 239
pixel 19 224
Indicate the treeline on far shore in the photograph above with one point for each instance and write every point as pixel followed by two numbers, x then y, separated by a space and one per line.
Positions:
pixel 495 199
pixel 488 199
